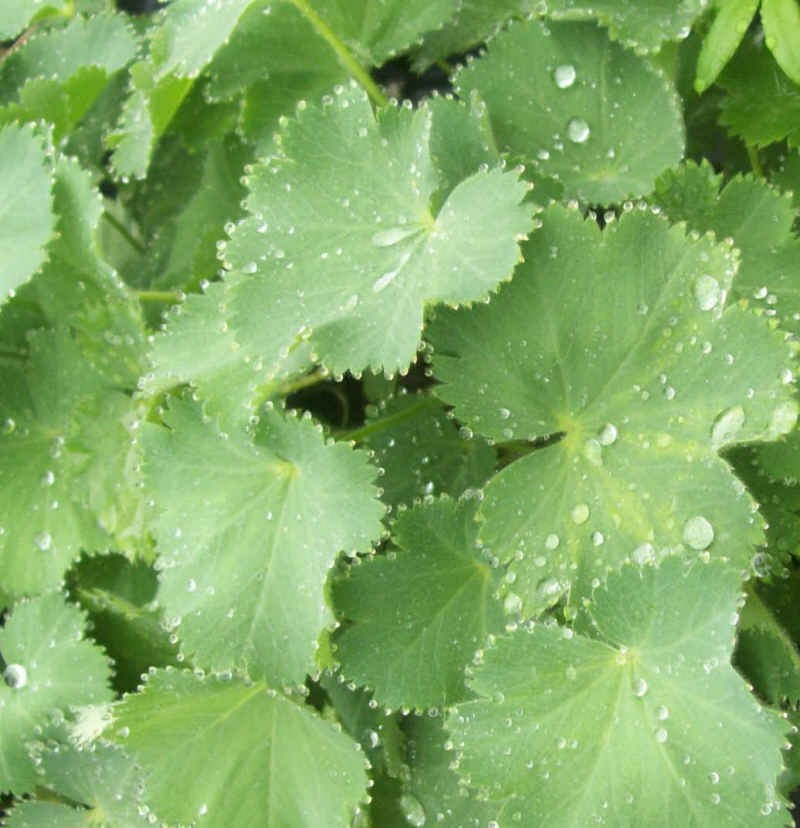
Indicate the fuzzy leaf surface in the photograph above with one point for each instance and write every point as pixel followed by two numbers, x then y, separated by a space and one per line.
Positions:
pixel 417 619
pixel 48 667
pixel 627 711
pixel 245 560
pixel 275 763
pixel 645 387
pixel 540 82
pixel 757 217
pixel 26 212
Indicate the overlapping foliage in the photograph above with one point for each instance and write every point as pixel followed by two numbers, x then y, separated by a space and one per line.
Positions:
pixel 374 464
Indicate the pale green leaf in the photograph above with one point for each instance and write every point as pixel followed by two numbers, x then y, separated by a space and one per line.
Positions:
pixel 422 451
pixel 759 220
pixel 643 723
pixel 355 261
pixel 16 14
pixel 247 532
pixel 432 602
pixel 579 107
pixel 379 29
pixel 644 25
pixel 102 779
pixel 723 38
pixel 781 22
pixel 48 668
pixel 275 764
pixel 26 214
pixel 619 343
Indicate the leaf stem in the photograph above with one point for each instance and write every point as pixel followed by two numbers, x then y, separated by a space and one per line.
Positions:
pixel 124 232
pixel 303 382
pixel 158 296
pixel 755 161
pixel 358 434
pixel 342 52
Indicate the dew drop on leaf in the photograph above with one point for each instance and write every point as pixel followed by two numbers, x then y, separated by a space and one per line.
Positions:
pixel 548 588
pixel 639 687
pixel 661 735
pixel 578 131
pixel 698 533
pixel 512 604
pixel 15 676
pixel 412 810
pixel 552 541
pixel 727 425
pixel 662 712
pixel 564 75
pixel 43 540
pixel 644 554
pixel 580 513
pixel 597 538
pixel 707 292
pixel 608 434
pixel 784 418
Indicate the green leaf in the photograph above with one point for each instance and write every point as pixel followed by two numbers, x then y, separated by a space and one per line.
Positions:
pixel 275 763
pixel 432 602
pixel 244 561
pixel 373 233
pixel 43 513
pixel 26 213
pixel 102 779
pixel 762 105
pixel 48 668
pixel 781 22
pixel 16 14
pixel 644 387
pixel 757 217
pixel 540 83
pixel 422 451
pixel 646 714
pixel 723 38
pixel 379 29
pixel 644 26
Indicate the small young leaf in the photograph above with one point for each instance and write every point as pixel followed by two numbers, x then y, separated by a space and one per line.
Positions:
pixel 723 38
pixel 781 21
pixel 647 713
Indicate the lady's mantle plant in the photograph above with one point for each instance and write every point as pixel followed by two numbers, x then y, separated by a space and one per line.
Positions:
pixel 318 410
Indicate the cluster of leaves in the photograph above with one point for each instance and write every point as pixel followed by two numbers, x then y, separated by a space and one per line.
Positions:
pixel 374 464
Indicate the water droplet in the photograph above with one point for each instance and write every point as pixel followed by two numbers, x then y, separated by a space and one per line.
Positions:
pixel 644 554
pixel 597 538
pixel 552 541
pixel 15 676
pixel 512 604
pixel 393 235
pixel 49 478
pixel 713 778
pixel 504 413
pixel 571 673
pixel 548 588
pixel 698 533
pixel 707 292
pixel 578 131
pixel 9 425
pixel 727 425
pixel 662 712
pixel 608 434
pixel 580 514
pixel 412 810
pixel 787 376
pixel 593 452
pixel 639 687
pixel 43 541
pixel 564 76
pixel 661 735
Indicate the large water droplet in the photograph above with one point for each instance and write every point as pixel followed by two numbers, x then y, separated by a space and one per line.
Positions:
pixel 580 513
pixel 393 235
pixel 512 604
pixel 644 554
pixel 707 292
pixel 412 810
pixel 15 675
pixel 727 425
pixel 698 533
pixel 552 541
pixel 548 589
pixel 661 735
pixel 639 687
pixel 564 76
pixel 578 131
pixel 608 434
pixel 43 541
